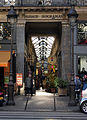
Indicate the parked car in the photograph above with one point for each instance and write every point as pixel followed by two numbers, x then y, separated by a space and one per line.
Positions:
pixel 83 101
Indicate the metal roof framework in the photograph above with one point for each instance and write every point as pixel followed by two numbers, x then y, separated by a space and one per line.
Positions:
pixel 43 46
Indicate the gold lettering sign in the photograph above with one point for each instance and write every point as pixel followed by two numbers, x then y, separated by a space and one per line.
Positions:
pixel 44 16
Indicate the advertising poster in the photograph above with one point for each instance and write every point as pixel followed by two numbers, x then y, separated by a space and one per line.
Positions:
pixel 19 79
pixel 6 76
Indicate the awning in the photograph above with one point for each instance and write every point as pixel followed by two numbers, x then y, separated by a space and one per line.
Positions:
pixel 4 58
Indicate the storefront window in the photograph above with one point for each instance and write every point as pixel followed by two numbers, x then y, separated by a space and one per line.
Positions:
pixel 82 63
pixel 5 31
pixel 82 33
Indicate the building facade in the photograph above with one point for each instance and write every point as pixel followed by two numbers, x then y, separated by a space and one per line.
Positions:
pixel 43 18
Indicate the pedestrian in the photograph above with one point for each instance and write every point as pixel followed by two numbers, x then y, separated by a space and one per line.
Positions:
pixel 83 72
pixel 31 80
pixel 84 79
pixel 29 83
pixel 77 87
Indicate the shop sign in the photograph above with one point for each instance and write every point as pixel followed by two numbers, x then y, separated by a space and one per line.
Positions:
pixel 19 79
pixel 44 16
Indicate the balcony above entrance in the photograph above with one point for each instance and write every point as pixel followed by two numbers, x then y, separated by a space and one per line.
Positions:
pixel 43 2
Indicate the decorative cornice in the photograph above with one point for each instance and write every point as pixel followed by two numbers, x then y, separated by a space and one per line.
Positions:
pixel 35 9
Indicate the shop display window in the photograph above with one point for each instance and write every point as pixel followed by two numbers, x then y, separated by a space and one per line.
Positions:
pixel 82 63
pixel 82 33
pixel 5 31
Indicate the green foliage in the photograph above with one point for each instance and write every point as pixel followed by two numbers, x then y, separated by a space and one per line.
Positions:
pixel 51 78
pixel 55 82
pixel 59 82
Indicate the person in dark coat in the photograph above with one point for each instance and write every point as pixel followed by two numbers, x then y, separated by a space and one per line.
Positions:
pixel 77 86
pixel 83 72
pixel 29 83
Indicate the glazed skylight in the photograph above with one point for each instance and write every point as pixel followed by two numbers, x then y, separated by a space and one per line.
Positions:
pixel 43 46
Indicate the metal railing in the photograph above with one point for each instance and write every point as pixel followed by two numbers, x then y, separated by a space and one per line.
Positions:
pixel 43 2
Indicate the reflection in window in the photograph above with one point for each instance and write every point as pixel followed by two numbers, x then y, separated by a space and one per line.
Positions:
pixel 82 63
pixel 1 31
pixel 5 31
pixel 82 33
pixel 9 2
pixel 40 2
pixel 47 2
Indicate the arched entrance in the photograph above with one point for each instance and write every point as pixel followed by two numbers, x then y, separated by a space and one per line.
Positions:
pixel 43 42
pixel 34 32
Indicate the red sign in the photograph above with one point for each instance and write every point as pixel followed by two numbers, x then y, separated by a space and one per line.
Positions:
pixel 19 79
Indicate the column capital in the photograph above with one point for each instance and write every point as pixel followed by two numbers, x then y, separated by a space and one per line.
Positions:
pixel 65 23
pixel 21 22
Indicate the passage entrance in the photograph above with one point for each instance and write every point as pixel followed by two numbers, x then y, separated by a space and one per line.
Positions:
pixel 43 42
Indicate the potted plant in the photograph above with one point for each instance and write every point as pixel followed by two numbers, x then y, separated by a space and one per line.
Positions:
pixel 52 86
pixel 62 86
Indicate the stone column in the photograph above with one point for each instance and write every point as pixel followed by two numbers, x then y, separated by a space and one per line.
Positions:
pixel 20 41
pixel 65 51
pixel 75 54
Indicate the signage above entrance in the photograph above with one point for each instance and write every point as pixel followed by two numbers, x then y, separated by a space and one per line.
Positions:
pixel 44 16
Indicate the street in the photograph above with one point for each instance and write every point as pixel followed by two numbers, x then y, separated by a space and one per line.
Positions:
pixel 6 115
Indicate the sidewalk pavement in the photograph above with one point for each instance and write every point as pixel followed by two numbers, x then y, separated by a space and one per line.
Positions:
pixel 41 102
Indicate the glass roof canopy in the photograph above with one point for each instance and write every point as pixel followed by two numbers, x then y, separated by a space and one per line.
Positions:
pixel 43 46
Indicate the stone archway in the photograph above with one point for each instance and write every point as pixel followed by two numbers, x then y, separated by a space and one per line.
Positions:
pixel 47 22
